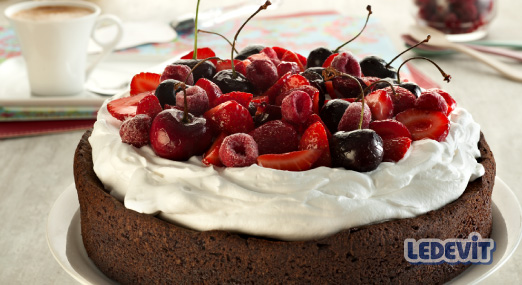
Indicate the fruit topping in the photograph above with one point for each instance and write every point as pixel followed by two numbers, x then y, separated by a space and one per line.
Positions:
pixel 201 53
pixel 292 161
pixel 402 99
pixel 332 112
pixel 345 62
pixel 178 72
pixel 452 104
pixel 125 107
pixel 395 149
pixel 318 56
pixel 375 66
pixel 412 87
pixel 226 64
pixel 310 90
pixel 425 124
pixel 248 51
pixel 351 119
pixel 166 92
pixel 178 136
pixel 287 67
pixel 380 104
pixel 205 70
pixel 238 150
pixel 212 90
pixel 135 130
pixel 262 73
pixel 316 137
pixel 359 150
pixel 143 82
pixel 149 106
pixel 430 100
pixel 345 87
pixel 266 112
pixel 390 129
pixel 228 83
pixel 293 57
pixel 230 117
pixel 296 107
pixel 242 98
pixel 275 137
pixel 211 156
pixel 197 100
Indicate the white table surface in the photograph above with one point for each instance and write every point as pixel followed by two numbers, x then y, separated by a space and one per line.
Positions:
pixel 36 170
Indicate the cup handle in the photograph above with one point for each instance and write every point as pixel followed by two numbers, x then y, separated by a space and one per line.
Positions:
pixel 107 47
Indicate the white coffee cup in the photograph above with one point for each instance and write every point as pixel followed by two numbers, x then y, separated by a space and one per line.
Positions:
pixel 55 46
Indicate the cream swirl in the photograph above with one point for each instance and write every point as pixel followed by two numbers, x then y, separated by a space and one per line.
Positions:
pixel 282 204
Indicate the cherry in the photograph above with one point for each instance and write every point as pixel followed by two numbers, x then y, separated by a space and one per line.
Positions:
pixel 332 112
pixel 226 81
pixel 360 150
pixel 178 136
pixel 205 70
pixel 345 87
pixel 248 51
pixel 265 113
pixel 315 76
pixel 412 87
pixel 352 116
pixel 166 91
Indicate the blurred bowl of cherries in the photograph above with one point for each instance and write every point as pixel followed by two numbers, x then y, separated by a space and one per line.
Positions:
pixel 460 20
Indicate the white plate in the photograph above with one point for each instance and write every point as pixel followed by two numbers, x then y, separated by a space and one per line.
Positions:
pixel 65 242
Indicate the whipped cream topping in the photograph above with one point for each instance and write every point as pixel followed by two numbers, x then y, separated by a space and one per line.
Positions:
pixel 281 204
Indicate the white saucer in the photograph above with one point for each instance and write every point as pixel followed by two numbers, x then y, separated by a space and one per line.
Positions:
pixel 65 242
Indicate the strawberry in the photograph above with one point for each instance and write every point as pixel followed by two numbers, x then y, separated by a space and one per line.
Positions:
pixel 241 66
pixel 275 89
pixel 143 82
pixel 329 60
pixel 315 118
pixel 395 148
pixel 315 137
pixel 312 91
pixel 125 107
pixel 292 161
pixel 452 104
pixel 292 57
pixel 294 81
pixel 260 99
pixel 202 54
pixel 226 64
pixel 275 137
pixel 430 100
pixel 279 51
pixel 242 98
pixel 230 117
pixel 149 105
pixel 211 89
pixel 425 124
pixel 380 104
pixel 402 99
pixel 272 55
pixel 390 129
pixel 330 89
pixel 211 157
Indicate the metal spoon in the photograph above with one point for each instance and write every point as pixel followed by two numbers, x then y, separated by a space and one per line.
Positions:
pixel 438 39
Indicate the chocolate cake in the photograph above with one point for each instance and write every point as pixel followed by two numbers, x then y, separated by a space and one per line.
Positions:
pixel 134 248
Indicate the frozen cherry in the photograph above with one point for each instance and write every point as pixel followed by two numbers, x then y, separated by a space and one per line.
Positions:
pixel 296 107
pixel 332 112
pixel 178 136
pixel 238 150
pixel 275 137
pixel 359 150
pixel 197 100
pixel 351 119
pixel 166 91
pixel 262 73
pixel 178 72
pixel 135 130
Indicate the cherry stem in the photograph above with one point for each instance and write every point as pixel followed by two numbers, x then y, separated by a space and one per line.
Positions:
pixel 381 81
pixel 263 7
pixel 369 8
pixel 331 72
pixel 218 34
pixel 195 52
pixel 446 76
pixel 410 48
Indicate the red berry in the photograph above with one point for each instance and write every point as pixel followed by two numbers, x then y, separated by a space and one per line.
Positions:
pixel 452 104
pixel 402 99
pixel 211 89
pixel 390 129
pixel 352 116
pixel 135 130
pixel 275 90
pixel 226 64
pixel 238 150
pixel 149 105
pixel 178 72
pixel 211 156
pixel 285 66
pixel 291 161
pixel 429 100
pixel 296 108
pixel 315 118
pixel 294 81
pixel 262 74
pixel 272 55
pixel 143 82
pixel 347 63
pixel 197 100
pixel 230 117
pixel 425 124
pixel 275 137
pixel 292 57
pixel 242 98
pixel 329 60
pixel 125 107
pixel 380 104
pixel 202 54
pixel 241 66
pixel 315 137
pixel 395 149
pixel 309 89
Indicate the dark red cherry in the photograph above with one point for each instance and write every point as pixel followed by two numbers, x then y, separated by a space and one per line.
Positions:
pixel 375 66
pixel 359 150
pixel 226 81
pixel 332 112
pixel 412 87
pixel 317 57
pixel 248 51
pixel 205 70
pixel 166 92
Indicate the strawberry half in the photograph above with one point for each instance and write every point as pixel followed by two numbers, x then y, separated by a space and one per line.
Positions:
pixel 329 60
pixel 275 89
pixel 425 124
pixel 292 57
pixel 292 161
pixel 211 89
pixel 380 104
pixel 395 149
pixel 126 107
pixel 390 129
pixel 294 81
pixel 452 104
pixel 226 64
pixel 242 98
pixel 143 82
pixel 315 137
pixel 211 157
pixel 149 106
pixel 229 117
pixel 202 54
